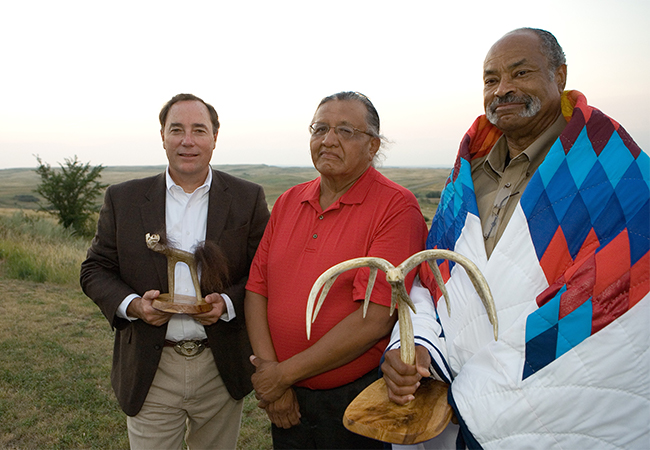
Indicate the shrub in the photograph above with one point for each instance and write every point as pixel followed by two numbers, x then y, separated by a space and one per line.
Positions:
pixel 71 192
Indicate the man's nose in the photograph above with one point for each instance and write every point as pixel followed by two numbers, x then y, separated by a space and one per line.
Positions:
pixel 188 139
pixel 504 87
pixel 331 138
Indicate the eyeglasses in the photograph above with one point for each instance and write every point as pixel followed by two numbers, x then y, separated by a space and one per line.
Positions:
pixel 342 131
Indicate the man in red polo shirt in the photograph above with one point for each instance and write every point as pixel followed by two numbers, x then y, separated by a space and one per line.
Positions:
pixel 350 211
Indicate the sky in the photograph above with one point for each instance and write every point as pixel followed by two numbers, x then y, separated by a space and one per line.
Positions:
pixel 88 78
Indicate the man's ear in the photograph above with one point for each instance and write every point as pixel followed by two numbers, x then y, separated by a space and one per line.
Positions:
pixel 374 147
pixel 560 77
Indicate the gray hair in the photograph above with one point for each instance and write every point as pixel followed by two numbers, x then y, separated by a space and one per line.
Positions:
pixel 550 48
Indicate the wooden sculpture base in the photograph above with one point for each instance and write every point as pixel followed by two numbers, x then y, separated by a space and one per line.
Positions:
pixel 180 304
pixel 373 415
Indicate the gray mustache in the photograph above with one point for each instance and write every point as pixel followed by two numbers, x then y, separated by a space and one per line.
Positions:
pixel 532 106
pixel 511 98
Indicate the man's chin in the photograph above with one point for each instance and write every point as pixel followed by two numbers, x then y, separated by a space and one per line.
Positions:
pixel 510 119
pixel 500 120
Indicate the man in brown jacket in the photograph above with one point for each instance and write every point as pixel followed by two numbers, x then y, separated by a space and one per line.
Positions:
pixel 167 393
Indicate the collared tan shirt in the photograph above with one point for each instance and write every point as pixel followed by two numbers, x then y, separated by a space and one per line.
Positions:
pixel 499 187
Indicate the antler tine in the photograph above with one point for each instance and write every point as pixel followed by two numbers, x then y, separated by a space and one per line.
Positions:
pixel 474 274
pixel 371 284
pixel 335 271
pixel 417 259
pixel 321 298
pixel 433 265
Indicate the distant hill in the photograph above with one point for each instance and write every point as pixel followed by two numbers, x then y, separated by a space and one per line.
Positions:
pixel 17 186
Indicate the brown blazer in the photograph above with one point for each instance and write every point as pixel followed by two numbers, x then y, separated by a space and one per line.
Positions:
pixel 119 263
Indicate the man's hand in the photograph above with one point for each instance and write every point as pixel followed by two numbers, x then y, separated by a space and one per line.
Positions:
pixel 284 412
pixel 268 381
pixel 212 316
pixel 141 307
pixel 403 379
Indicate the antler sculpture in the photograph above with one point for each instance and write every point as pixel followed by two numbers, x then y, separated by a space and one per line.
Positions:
pixel 371 413
pixel 395 277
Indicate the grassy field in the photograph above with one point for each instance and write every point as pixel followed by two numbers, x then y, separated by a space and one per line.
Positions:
pixel 17 185
pixel 55 357
pixel 55 345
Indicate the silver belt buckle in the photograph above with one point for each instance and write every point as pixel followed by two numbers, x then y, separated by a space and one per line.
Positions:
pixel 189 348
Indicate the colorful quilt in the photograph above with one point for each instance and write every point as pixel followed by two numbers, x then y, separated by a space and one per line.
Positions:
pixel 570 277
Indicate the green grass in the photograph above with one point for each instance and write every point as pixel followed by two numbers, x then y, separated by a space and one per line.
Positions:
pixel 55 349
pixel 34 247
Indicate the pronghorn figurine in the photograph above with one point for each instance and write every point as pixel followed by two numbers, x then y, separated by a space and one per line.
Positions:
pixel 174 256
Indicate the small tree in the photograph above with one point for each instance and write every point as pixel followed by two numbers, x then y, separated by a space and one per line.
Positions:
pixel 71 192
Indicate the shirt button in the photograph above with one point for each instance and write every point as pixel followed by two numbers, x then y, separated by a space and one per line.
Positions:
pixel 320 217
pixel 315 236
pixel 507 185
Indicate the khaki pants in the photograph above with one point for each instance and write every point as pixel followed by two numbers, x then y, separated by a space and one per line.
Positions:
pixel 187 399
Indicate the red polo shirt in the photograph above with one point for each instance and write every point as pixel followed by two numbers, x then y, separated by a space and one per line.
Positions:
pixel 375 217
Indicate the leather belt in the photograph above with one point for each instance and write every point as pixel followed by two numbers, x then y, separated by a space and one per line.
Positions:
pixel 188 347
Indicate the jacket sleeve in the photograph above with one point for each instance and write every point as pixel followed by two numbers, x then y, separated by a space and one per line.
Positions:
pixel 100 273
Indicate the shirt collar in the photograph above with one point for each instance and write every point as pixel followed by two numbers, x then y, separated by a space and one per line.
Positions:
pixel 355 195
pixel 538 149
pixel 171 184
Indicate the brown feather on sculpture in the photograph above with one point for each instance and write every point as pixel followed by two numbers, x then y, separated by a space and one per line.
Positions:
pixel 213 267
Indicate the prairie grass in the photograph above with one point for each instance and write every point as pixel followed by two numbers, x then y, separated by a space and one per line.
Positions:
pixel 17 185
pixel 34 247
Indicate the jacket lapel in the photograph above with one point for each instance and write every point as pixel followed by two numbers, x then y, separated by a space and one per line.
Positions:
pixel 218 207
pixel 152 213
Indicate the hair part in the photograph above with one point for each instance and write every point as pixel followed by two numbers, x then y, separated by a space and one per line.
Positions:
pixel 372 118
pixel 214 117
